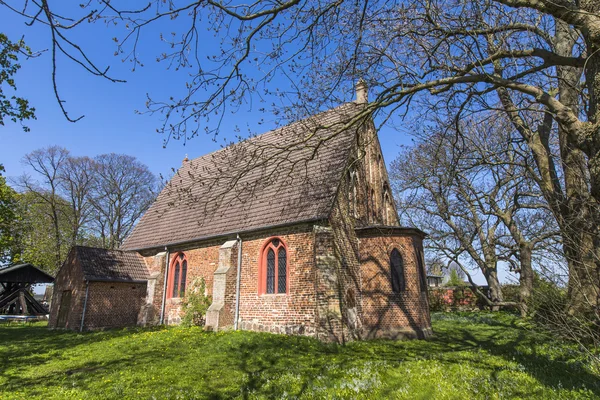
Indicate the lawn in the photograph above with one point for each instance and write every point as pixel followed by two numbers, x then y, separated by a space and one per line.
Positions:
pixel 471 356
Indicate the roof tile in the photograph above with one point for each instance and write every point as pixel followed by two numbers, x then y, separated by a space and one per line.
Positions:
pixel 284 176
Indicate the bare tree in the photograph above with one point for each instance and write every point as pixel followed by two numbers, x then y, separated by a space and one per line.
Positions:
pixel 47 164
pixel 76 180
pixel 122 191
pixel 474 194
pixel 515 198
pixel 433 196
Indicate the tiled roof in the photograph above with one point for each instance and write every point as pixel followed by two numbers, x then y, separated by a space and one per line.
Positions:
pixel 28 273
pixel 111 265
pixel 284 176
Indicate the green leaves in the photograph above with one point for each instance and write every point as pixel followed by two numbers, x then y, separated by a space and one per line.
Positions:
pixel 12 107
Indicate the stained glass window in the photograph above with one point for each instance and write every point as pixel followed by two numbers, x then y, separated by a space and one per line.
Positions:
pixel 281 271
pixel 177 276
pixel 275 268
pixel 175 292
pixel 271 271
pixel 183 277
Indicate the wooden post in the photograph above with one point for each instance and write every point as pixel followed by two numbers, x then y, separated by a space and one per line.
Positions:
pixel 23 303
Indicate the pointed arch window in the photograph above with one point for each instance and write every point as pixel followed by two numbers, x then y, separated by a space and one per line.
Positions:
pixel 397 272
pixel 273 272
pixel 177 276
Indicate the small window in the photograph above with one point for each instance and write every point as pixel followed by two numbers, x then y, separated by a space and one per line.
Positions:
pixel 177 276
pixel 274 268
pixel 397 272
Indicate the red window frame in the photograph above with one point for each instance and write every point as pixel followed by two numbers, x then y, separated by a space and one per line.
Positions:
pixel 262 267
pixel 179 258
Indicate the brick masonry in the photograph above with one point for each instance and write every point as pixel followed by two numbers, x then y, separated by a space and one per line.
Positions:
pixel 69 278
pixel 385 313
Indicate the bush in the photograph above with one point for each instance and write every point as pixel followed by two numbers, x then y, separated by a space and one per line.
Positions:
pixel 195 304
pixel 549 309
pixel 436 301
pixel 455 280
pixel 510 292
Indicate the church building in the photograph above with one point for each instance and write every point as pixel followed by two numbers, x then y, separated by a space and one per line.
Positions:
pixel 293 231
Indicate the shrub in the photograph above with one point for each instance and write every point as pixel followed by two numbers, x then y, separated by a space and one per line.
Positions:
pixel 455 280
pixel 510 292
pixel 436 301
pixel 195 304
pixel 549 309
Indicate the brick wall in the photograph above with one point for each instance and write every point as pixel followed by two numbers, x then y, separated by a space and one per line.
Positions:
pixel 385 313
pixel 280 313
pixel 371 182
pixel 113 304
pixel 69 277
pixel 109 305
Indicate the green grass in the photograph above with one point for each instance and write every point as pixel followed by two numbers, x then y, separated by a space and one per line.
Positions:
pixel 480 356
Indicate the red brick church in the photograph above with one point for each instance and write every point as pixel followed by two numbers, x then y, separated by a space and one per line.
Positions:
pixel 294 231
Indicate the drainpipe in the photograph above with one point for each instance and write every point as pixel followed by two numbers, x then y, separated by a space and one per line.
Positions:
pixel 87 290
pixel 164 299
pixel 237 284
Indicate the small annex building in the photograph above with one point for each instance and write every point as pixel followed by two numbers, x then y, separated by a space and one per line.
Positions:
pixel 97 289
pixel 294 231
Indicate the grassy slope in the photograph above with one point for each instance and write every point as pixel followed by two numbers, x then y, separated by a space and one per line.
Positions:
pixel 471 356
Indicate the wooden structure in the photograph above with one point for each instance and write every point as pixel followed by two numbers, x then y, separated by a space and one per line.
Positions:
pixel 15 285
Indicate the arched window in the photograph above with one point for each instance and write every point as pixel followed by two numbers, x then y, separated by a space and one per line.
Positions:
pixel 273 271
pixel 177 276
pixel 397 271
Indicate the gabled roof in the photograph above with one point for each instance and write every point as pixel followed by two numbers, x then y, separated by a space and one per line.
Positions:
pixel 24 273
pixel 111 265
pixel 285 176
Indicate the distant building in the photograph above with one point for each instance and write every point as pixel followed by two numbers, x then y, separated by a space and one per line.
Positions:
pixel 435 280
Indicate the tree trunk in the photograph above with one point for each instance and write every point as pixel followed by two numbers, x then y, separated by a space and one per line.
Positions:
pixel 581 215
pixel 495 291
pixel 590 275
pixel 526 279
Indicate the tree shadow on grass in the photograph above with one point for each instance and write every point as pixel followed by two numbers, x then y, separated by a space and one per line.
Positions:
pixel 502 338
pixel 21 347
pixel 249 364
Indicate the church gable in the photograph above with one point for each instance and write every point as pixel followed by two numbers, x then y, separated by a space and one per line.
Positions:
pixel 366 186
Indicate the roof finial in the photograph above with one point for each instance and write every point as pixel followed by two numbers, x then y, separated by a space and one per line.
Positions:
pixel 362 92
pixel 186 158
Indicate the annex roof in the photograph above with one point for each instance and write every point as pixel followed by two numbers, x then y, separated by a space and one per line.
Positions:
pixel 111 265
pixel 285 176
pixel 24 273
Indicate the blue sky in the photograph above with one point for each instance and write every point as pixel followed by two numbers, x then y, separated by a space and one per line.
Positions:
pixel 110 123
